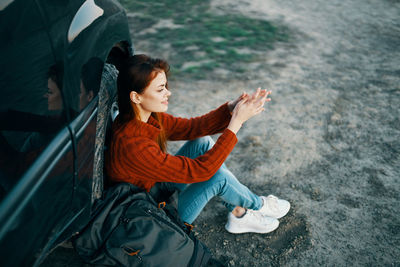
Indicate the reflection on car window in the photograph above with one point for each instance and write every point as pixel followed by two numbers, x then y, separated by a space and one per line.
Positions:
pixel 90 81
pixel 25 132
pixel 54 86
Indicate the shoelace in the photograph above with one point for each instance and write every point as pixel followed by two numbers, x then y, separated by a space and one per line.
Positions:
pixel 273 202
pixel 256 215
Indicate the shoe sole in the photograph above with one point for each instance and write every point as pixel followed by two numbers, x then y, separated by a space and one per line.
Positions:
pixel 242 230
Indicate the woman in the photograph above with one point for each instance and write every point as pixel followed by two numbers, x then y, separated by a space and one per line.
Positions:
pixel 138 154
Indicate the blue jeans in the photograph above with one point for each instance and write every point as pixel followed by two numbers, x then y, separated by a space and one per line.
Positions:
pixel 193 197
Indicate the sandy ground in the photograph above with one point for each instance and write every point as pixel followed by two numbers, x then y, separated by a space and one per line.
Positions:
pixel 329 141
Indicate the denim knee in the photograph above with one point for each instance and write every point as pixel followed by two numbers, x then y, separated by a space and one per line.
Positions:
pixel 218 183
pixel 206 142
pixel 194 148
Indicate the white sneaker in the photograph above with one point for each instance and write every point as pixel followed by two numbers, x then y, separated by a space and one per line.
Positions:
pixel 274 207
pixel 251 222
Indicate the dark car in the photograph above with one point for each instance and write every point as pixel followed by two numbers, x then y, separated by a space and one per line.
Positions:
pixel 57 82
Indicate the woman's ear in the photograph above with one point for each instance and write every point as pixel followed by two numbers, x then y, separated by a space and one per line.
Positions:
pixel 90 96
pixel 135 97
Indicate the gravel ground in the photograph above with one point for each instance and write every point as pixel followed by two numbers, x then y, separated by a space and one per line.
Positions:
pixel 329 141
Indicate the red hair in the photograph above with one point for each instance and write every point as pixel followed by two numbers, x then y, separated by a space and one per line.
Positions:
pixel 135 74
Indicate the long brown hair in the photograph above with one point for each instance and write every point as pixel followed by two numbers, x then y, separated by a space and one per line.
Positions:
pixel 135 74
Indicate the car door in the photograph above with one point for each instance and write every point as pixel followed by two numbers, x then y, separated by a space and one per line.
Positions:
pixel 36 156
pixel 82 74
pixel 52 54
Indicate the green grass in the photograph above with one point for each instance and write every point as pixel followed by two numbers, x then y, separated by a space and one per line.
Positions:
pixel 202 36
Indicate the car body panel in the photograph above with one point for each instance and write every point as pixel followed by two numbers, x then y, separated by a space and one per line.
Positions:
pixel 47 155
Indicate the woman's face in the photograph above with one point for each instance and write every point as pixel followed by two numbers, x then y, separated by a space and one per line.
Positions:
pixel 53 95
pixel 155 97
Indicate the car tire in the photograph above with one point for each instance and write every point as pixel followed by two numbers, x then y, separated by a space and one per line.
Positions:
pixel 106 113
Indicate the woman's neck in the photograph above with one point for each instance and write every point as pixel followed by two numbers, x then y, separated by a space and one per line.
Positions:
pixel 144 116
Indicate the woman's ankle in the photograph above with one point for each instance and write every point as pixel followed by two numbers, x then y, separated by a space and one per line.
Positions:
pixel 239 211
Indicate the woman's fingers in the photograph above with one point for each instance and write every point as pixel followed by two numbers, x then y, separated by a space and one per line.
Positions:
pixel 257 93
pixel 251 105
pixel 259 111
pixel 241 102
pixel 263 94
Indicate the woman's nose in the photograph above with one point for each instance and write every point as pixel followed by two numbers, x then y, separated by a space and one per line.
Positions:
pixel 168 92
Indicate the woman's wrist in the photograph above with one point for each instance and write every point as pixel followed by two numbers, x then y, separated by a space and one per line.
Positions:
pixel 234 125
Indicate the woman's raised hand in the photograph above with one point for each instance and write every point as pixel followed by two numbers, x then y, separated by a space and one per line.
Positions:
pixel 232 104
pixel 248 106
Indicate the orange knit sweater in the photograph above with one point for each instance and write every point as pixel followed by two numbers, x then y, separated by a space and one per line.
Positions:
pixel 135 157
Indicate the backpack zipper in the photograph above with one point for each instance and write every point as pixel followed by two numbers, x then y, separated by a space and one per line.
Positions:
pixel 151 213
pixel 132 252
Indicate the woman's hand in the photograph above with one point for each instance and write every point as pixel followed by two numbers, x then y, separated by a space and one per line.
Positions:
pixel 250 105
pixel 247 107
pixel 232 104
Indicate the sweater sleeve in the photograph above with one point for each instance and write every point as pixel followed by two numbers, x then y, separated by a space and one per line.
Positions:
pixel 187 129
pixel 151 164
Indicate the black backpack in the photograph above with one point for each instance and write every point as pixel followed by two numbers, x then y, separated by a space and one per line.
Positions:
pixel 129 228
